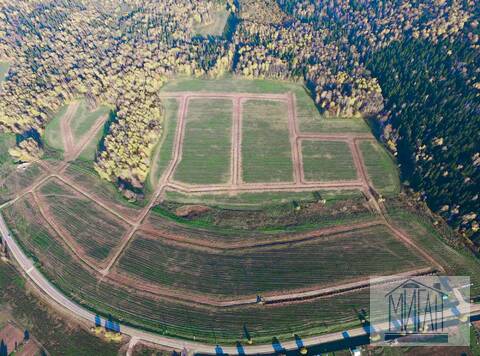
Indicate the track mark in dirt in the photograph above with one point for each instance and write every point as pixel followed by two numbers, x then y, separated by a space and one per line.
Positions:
pixel 295 153
pixel 72 245
pixel 80 146
pixel 191 298
pixel 287 239
pixel 265 187
pixel 65 129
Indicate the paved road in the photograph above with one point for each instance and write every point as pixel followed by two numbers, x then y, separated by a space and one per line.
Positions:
pixel 139 335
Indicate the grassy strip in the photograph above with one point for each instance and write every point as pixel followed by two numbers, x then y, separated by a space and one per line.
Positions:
pixel 163 152
pixel 207 146
pixel 230 84
pixel 380 167
pixel 53 135
pixel 327 161
pixel 288 217
pixel 254 201
pixel 334 125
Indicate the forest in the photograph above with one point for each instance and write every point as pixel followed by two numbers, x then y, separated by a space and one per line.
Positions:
pixel 411 65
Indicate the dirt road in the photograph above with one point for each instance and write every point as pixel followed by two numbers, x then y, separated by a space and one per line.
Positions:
pixel 236 185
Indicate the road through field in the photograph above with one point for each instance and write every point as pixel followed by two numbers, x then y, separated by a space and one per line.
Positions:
pixel 88 317
pixel 166 181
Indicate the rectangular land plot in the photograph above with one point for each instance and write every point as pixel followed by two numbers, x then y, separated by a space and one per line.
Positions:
pixel 229 84
pixel 94 230
pixel 163 153
pixel 266 148
pixel 329 260
pixel 206 154
pixel 53 132
pixel 327 161
pixel 256 200
pixel 380 167
pixel 319 124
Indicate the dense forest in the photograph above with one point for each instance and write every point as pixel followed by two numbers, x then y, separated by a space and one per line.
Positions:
pixel 433 100
pixel 413 65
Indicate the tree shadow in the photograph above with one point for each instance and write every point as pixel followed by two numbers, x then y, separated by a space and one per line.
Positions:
pixel 277 346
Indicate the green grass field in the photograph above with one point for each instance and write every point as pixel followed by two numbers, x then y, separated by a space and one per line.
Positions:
pixel 327 161
pixel 53 136
pixel 214 325
pixel 334 125
pixel 162 154
pixel 83 174
pixel 381 168
pixel 216 27
pixel 326 261
pixel 266 149
pixel 4 66
pixel 84 119
pixel 257 200
pixel 169 317
pixel 231 84
pixel 95 230
pixel 309 118
pixel 206 153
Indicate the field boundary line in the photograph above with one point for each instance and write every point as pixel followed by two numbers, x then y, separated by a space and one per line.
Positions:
pixel 294 151
pixel 178 142
pixel 213 95
pixel 289 238
pixel 97 201
pixel 71 244
pixel 65 129
pixel 401 235
pixel 270 298
pixel 266 187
